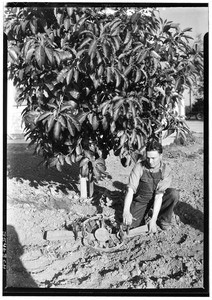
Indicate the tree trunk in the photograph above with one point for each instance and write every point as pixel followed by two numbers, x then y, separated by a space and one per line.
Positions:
pixel 90 188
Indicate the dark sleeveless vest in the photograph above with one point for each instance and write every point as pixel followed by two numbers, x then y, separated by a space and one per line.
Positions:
pixel 147 186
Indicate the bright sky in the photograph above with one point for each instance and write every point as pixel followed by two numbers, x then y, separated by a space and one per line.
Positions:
pixel 195 17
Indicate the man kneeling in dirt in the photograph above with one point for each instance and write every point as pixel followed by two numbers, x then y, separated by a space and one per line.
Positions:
pixel 149 192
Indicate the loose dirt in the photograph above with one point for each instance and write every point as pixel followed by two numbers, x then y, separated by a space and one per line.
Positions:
pixel 40 200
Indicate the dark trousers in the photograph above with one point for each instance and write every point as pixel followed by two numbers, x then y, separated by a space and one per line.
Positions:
pixel 140 210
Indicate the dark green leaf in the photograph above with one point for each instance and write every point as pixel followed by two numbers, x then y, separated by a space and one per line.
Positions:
pixel 40 56
pixel 32 27
pixel 114 24
pixel 127 70
pixel 29 54
pixel 95 122
pixel 49 54
pixel 81 117
pixel 103 28
pixel 88 32
pixel 141 56
pixel 104 123
pixel 70 11
pixel 89 155
pixel 188 37
pixel 69 76
pixel 92 48
pixel 68 160
pixel 28 44
pixel 84 161
pixel 23 25
pixel 58 166
pixel 118 78
pixel 116 42
pixel 74 120
pixel 71 127
pixel 76 75
pixel 85 42
pixel 109 74
pixel 154 54
pixel 161 90
pixel 106 50
pixel 79 53
pixel 187 29
pixel 50 123
pixel 21 74
pixel 52 105
pixel 13 54
pixel 66 107
pixel 57 130
pixel 127 37
pixel 100 70
pixel 138 75
pixel 174 25
pixel 67 24
pixel 61 76
pixel 57 57
pixel 62 120
pixel 43 116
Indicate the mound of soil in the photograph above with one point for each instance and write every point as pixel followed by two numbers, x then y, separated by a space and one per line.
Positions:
pixel 41 200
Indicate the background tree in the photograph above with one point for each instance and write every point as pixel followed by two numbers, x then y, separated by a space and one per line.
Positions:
pixel 96 82
pixel 197 87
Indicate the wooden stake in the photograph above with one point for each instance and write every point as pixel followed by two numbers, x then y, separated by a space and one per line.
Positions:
pixel 83 187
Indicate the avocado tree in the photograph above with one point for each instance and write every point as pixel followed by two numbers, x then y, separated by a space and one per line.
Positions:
pixel 96 82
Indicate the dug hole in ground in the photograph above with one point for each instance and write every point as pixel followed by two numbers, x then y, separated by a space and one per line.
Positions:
pixel 41 200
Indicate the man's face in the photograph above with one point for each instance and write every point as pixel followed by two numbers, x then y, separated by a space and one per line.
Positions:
pixel 153 159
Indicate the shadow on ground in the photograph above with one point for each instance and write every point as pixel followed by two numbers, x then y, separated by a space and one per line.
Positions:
pixel 16 275
pixel 23 165
pixel 189 215
pixel 122 187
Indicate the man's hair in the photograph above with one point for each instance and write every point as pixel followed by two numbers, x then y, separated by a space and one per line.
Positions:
pixel 154 145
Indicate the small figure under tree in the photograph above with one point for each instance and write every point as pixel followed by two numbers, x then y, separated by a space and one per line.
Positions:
pixel 149 189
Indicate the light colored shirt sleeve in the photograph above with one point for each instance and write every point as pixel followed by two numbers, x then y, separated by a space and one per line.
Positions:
pixel 135 176
pixel 165 183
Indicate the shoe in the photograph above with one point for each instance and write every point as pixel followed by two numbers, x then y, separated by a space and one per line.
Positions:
pixel 164 225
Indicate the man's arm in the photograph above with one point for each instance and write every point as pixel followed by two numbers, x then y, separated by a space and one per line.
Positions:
pixel 156 209
pixel 162 186
pixel 165 183
pixel 134 178
pixel 127 216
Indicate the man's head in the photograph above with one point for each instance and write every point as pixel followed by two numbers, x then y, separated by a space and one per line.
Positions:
pixel 154 154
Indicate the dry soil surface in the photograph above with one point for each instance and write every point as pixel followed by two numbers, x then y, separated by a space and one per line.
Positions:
pixel 40 200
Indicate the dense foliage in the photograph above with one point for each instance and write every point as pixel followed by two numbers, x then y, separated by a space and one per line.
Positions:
pixel 96 82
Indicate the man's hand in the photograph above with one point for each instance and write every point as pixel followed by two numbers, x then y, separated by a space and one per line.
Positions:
pixel 152 226
pixel 127 218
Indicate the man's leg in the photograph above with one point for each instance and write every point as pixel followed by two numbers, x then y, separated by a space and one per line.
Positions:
pixel 139 211
pixel 170 199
